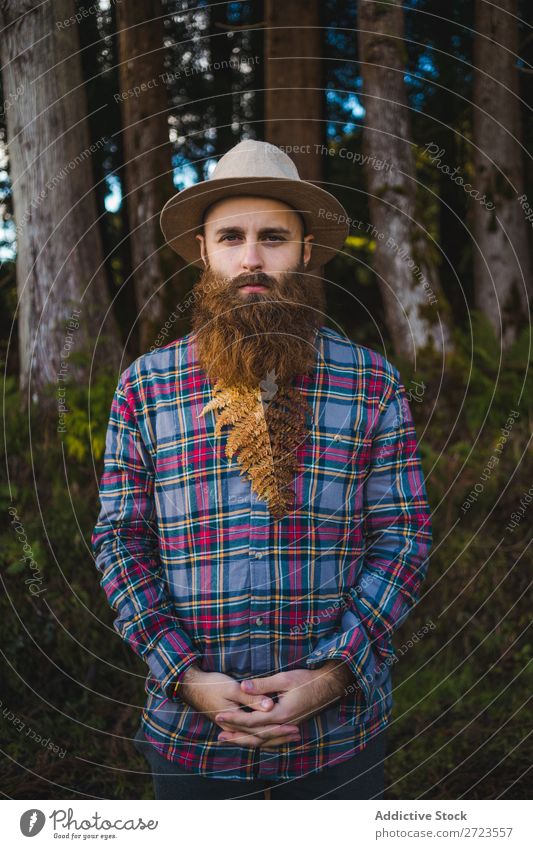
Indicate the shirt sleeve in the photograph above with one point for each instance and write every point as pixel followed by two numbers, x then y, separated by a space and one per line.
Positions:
pixel 126 548
pixel 398 538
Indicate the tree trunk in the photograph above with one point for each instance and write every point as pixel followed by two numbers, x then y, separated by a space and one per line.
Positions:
pixel 294 112
pixel 415 309
pixel 294 115
pixel 60 274
pixel 147 157
pixel 502 259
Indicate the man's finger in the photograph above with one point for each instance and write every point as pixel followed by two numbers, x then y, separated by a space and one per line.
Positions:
pixel 239 738
pixel 263 737
pixel 250 720
pixel 256 700
pixel 268 684
pixel 274 744
pixel 262 731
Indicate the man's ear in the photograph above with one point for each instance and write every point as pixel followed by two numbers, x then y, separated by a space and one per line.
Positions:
pixel 307 249
pixel 203 251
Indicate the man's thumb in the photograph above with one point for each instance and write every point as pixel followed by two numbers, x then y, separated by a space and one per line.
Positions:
pixel 253 691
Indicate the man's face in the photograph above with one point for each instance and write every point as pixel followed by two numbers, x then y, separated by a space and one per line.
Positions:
pixel 248 235
pixel 256 307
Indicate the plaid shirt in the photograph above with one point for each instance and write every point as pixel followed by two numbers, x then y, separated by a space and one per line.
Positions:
pixel 199 571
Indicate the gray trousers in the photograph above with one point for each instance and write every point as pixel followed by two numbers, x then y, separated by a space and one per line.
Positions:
pixel 359 777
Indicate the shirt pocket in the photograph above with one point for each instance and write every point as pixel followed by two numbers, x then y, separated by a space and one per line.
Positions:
pixel 337 461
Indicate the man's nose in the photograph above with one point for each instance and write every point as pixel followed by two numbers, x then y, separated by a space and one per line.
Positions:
pixel 251 257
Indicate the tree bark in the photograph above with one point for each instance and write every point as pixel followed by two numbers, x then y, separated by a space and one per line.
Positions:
pixel 416 312
pixel 294 114
pixel 60 274
pixel 148 159
pixel 502 258
pixel 294 111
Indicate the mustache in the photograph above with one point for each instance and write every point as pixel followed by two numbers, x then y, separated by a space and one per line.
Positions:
pixel 258 278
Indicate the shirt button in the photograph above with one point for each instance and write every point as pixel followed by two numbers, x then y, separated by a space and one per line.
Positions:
pixel 259 620
pixel 337 437
pixel 258 555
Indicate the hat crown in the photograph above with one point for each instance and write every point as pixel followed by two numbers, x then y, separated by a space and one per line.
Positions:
pixel 251 158
pixel 255 168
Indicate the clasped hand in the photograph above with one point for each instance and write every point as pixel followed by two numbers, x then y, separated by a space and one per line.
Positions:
pixel 301 693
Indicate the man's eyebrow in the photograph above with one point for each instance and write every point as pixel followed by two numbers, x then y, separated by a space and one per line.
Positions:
pixel 279 230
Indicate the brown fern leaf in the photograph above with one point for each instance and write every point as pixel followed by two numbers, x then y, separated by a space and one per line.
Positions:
pixel 249 429
pixel 264 439
pixel 229 416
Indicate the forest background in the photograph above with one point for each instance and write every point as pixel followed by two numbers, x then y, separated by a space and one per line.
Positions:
pixel 418 116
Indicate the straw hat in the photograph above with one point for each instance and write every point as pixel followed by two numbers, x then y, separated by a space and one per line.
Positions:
pixel 256 168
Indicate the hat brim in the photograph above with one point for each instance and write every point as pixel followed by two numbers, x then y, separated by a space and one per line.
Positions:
pixel 324 216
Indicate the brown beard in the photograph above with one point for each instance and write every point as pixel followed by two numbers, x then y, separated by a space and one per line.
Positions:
pixel 243 338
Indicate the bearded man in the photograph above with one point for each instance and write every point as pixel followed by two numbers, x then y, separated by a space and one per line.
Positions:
pixel 264 524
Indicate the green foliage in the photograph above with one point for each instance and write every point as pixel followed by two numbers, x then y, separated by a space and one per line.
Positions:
pixel 457 708
pixel 69 671
pixel 87 418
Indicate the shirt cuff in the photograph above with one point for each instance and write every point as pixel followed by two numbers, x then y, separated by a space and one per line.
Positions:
pixel 169 659
pixel 353 646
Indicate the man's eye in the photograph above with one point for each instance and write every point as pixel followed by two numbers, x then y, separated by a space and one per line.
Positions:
pixel 230 236
pixel 276 238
